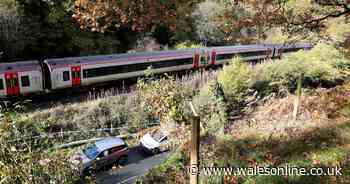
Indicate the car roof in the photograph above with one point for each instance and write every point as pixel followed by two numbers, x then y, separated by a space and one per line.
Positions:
pixel 109 143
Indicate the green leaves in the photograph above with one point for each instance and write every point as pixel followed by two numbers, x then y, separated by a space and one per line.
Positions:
pixel 321 66
pixel 236 78
pixel 164 98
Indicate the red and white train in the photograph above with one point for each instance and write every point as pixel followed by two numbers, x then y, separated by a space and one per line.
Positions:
pixel 29 77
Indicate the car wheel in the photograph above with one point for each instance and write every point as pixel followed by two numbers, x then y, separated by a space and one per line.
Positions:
pixel 87 172
pixel 156 151
pixel 123 160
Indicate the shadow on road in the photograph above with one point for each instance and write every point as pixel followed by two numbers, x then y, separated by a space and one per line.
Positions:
pixel 139 162
pixel 136 154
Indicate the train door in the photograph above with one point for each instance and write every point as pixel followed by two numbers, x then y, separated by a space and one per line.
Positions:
pixel 269 53
pixel 2 87
pixel 12 84
pixel 76 76
pixel 196 60
pixel 213 57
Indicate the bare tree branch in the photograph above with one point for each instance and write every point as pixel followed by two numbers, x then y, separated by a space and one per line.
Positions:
pixel 341 9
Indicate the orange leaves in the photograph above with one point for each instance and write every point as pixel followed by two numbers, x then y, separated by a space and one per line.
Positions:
pixel 138 15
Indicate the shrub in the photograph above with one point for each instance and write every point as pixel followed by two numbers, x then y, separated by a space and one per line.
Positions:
pixel 321 66
pixel 164 98
pixel 211 107
pixel 236 78
pixel 111 112
pixel 23 163
pixel 188 44
pixel 94 114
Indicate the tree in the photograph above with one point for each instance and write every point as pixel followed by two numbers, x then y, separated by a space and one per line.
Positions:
pixel 296 18
pixel 37 29
pixel 317 11
pixel 11 32
pixel 205 19
pixel 139 15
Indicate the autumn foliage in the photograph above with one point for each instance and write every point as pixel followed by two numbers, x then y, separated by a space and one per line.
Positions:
pixel 139 15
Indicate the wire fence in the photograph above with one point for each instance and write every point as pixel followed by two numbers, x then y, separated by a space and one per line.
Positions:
pixel 63 137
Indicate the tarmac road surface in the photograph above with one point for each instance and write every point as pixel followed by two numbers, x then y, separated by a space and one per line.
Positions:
pixel 138 164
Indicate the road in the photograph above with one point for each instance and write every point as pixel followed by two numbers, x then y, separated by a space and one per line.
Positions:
pixel 138 164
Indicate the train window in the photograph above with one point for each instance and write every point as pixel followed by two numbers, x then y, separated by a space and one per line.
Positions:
pixel 1 84
pixel 291 49
pixel 66 76
pixel 204 59
pixel 246 54
pixel 76 74
pixel 9 83
pixel 250 54
pixel 25 81
pixel 96 72
pixel 225 56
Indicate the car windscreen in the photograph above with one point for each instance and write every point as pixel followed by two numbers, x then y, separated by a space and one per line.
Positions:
pixel 91 151
pixel 158 136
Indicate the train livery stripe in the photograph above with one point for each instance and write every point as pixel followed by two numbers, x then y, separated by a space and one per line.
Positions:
pixel 118 69
pixel 124 61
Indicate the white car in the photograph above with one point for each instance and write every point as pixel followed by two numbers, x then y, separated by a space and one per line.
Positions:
pixel 155 142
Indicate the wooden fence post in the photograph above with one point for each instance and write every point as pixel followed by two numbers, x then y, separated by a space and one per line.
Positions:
pixel 62 136
pixel 298 97
pixel 111 130
pixel 195 147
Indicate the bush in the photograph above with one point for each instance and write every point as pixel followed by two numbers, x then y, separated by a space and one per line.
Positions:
pixel 211 107
pixel 99 113
pixel 188 44
pixel 23 163
pixel 321 66
pixel 111 112
pixel 236 78
pixel 164 98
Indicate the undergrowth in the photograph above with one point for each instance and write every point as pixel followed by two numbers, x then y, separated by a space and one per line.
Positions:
pixel 265 134
pixel 259 97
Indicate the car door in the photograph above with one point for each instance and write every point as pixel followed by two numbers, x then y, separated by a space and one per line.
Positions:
pixel 164 143
pixel 117 152
pixel 102 159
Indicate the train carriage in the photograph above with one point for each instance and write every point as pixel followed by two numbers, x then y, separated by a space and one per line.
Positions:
pixel 33 76
pixel 84 71
pixel 247 52
pixel 288 48
pixel 20 78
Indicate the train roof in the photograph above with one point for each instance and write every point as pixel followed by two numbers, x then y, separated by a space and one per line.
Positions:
pixel 290 45
pixel 240 48
pixel 159 55
pixel 142 56
pixel 237 47
pixel 139 56
pixel 20 66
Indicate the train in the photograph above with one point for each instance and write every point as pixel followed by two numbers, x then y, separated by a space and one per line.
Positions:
pixel 44 76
